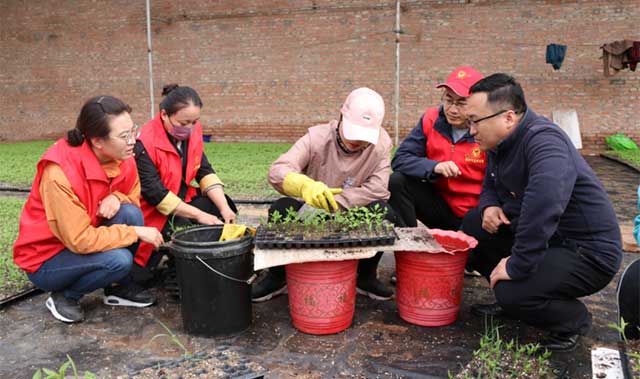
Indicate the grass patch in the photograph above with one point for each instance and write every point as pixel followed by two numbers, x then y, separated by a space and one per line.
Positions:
pixel 242 167
pixel 19 161
pixel 630 156
pixel 12 279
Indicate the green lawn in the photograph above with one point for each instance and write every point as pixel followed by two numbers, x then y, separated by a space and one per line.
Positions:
pixel 241 166
pixel 11 278
pixel 19 161
pixel 631 156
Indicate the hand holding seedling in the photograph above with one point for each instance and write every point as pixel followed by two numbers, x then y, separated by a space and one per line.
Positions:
pixel 109 206
pixel 318 195
pixel 447 169
pixel 315 193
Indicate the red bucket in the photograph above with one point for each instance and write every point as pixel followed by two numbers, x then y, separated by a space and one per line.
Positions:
pixel 429 287
pixel 322 295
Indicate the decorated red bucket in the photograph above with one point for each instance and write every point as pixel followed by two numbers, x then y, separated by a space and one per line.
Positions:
pixel 322 295
pixel 430 284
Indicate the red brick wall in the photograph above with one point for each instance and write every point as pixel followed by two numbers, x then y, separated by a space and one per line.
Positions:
pixel 267 70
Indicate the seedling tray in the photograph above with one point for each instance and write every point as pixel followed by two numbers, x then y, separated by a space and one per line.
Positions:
pixel 267 238
pixel 220 363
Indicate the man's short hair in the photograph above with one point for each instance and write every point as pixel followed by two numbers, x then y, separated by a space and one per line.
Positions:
pixel 502 92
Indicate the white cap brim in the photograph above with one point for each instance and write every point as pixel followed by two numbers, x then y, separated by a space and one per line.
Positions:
pixel 356 132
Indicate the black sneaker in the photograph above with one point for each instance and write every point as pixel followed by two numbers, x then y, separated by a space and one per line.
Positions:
pixel 374 289
pixel 64 309
pixel 131 295
pixel 268 288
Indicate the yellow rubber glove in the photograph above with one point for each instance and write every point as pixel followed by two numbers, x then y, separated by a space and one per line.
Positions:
pixel 314 193
pixel 233 231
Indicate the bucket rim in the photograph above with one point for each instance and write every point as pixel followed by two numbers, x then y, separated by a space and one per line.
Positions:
pixel 182 243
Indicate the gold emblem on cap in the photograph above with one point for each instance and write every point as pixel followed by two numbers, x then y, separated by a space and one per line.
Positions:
pixel 461 74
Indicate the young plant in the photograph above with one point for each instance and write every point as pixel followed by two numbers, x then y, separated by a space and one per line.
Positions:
pixel 620 327
pixel 172 337
pixel 45 373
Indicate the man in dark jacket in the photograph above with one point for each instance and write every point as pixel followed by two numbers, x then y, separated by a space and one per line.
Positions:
pixel 547 231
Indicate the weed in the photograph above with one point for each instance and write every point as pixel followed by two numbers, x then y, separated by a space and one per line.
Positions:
pixel 497 359
pixel 45 373
pixel 172 337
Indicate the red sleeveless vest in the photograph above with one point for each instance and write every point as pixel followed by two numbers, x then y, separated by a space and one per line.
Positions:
pixel 463 192
pixel 36 244
pixel 169 165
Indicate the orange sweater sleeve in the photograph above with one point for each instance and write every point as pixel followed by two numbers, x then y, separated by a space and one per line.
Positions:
pixel 68 219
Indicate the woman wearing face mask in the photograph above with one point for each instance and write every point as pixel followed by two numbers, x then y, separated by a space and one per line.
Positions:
pixel 170 155
pixel 80 226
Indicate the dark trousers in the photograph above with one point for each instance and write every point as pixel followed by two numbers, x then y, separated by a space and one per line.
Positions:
pixel 415 199
pixel 548 298
pixel 366 267
pixel 629 299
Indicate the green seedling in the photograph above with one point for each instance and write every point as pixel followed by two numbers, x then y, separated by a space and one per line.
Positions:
pixel 172 337
pixel 45 373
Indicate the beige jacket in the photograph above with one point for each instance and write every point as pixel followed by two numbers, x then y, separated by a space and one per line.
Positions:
pixel 363 176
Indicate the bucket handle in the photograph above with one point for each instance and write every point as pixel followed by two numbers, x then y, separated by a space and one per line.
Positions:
pixel 251 279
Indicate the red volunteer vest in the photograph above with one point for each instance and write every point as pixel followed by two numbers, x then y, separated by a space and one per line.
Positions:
pixel 461 193
pixel 169 165
pixel 36 244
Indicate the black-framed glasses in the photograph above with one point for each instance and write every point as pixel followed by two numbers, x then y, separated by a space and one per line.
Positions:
pixel 476 122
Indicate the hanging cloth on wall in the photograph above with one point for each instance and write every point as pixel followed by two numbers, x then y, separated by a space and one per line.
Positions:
pixel 555 55
pixel 615 57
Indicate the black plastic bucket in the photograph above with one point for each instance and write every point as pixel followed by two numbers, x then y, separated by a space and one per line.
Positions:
pixel 215 280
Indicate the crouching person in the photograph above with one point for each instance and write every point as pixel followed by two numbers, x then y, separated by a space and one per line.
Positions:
pixel 339 165
pixel 81 224
pixel 546 229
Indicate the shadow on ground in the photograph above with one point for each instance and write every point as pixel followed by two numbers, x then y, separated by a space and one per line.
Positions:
pixel 115 341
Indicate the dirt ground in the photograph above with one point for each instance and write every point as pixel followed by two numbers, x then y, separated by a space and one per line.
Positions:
pixel 113 342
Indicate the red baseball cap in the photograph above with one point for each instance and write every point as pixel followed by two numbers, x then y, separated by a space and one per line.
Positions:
pixel 461 80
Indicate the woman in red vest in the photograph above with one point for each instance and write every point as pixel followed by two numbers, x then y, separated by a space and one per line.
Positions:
pixel 170 156
pixel 81 223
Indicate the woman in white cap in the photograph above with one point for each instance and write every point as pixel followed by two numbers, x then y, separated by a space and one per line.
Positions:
pixel 338 165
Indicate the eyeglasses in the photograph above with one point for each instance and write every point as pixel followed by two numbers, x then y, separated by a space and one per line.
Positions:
pixel 448 102
pixel 475 123
pixel 132 134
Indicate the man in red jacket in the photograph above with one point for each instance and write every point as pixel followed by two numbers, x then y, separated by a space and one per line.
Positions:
pixel 438 169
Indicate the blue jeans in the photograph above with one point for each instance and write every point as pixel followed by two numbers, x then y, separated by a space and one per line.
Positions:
pixel 80 274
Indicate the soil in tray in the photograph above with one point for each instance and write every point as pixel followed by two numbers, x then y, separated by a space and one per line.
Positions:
pixel 295 236
pixel 633 357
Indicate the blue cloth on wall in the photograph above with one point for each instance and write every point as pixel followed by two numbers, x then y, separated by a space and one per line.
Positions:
pixel 555 55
